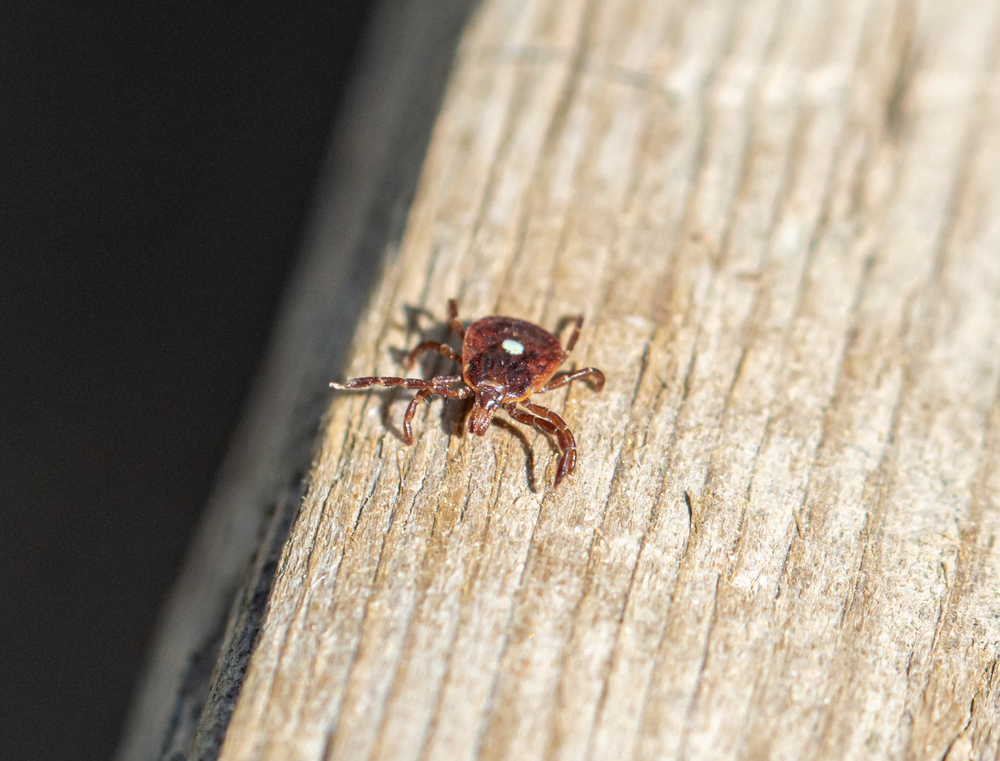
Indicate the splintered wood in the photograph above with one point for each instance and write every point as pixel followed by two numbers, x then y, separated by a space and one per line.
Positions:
pixel 782 222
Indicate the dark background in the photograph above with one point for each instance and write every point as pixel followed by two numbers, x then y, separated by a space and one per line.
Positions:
pixel 156 165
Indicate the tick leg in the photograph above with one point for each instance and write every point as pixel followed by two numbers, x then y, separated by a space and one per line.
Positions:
pixel 575 334
pixel 447 380
pixel 411 410
pixel 440 389
pixel 563 378
pixel 453 322
pixel 548 421
pixel 440 386
pixel 356 383
pixel 437 346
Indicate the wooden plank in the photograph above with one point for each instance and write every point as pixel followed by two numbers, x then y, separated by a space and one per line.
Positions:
pixel 781 222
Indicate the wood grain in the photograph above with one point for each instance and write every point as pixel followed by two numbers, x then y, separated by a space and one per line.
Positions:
pixel 782 222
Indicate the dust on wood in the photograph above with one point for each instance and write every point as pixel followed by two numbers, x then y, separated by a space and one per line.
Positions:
pixel 781 223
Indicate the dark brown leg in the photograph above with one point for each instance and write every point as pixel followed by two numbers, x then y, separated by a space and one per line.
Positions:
pixel 548 421
pixel 385 382
pixel 563 378
pixel 437 346
pixel 450 393
pixel 462 392
pixel 575 334
pixel 411 410
pixel 453 322
pixel 440 386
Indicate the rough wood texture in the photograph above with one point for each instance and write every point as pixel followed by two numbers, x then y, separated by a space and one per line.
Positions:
pixel 782 221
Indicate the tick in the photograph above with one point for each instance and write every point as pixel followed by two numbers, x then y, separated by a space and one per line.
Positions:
pixel 504 361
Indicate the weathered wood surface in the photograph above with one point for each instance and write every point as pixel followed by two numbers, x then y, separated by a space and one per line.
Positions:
pixel 782 222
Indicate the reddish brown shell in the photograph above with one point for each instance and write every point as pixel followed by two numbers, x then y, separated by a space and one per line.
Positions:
pixel 513 354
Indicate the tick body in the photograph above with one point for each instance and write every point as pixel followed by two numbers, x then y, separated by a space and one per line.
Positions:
pixel 504 362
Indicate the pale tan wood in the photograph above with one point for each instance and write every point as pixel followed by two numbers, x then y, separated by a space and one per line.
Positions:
pixel 782 222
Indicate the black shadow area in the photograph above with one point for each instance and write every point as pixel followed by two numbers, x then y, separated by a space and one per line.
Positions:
pixel 157 161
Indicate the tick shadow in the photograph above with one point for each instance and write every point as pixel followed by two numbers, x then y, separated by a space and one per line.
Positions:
pixel 453 414
pixel 529 454
pixel 566 321
pixel 429 365
pixel 390 399
pixel 413 315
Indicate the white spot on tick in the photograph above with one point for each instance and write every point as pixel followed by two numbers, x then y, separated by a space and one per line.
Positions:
pixel 513 347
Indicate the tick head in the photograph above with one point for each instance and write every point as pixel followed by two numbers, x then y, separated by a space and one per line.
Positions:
pixel 489 396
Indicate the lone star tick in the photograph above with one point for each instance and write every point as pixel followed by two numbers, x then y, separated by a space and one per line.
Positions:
pixel 504 361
